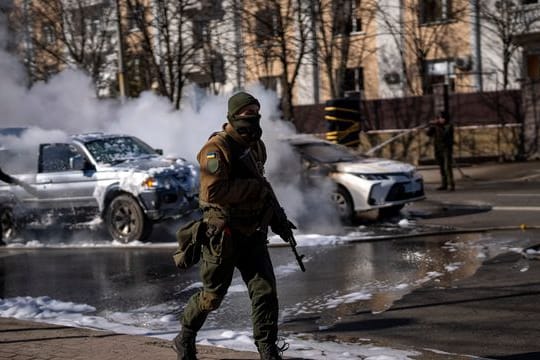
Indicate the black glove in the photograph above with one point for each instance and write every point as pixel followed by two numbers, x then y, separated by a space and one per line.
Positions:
pixel 281 226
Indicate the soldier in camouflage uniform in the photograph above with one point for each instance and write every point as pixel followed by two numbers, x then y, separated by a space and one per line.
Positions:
pixel 442 132
pixel 234 201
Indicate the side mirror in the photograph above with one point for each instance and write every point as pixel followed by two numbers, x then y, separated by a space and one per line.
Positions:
pixel 159 151
pixel 79 162
pixel 76 162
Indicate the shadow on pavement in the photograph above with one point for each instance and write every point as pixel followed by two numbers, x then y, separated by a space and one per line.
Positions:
pixel 433 209
pixel 524 356
pixel 370 325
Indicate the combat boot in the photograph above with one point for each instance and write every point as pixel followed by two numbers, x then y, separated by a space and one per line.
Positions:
pixel 269 352
pixel 184 345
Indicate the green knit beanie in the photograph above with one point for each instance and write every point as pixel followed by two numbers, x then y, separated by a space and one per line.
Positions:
pixel 239 101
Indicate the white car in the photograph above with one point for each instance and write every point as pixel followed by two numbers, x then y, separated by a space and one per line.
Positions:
pixel 363 183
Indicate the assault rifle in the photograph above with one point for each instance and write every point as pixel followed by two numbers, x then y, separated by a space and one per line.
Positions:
pixel 275 209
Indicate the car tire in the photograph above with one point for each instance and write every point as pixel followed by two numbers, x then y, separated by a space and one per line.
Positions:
pixel 126 221
pixel 344 205
pixel 8 225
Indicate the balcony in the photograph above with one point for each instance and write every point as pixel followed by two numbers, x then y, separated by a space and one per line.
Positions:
pixel 527 17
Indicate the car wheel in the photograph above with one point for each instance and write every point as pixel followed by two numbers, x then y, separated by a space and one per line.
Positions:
pixel 344 205
pixel 389 212
pixel 126 220
pixel 8 226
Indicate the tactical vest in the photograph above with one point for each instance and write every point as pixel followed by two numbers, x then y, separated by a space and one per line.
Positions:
pixel 249 217
pixel 239 169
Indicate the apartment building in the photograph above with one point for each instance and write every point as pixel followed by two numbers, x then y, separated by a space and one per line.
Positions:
pixel 527 33
pixel 307 51
pixel 144 44
pixel 403 47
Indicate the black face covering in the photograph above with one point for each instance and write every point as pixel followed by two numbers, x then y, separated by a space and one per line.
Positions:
pixel 248 126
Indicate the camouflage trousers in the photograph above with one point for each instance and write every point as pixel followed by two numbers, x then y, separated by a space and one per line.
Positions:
pixel 250 255
pixel 444 159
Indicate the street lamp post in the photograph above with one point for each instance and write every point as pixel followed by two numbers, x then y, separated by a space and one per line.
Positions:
pixel 121 81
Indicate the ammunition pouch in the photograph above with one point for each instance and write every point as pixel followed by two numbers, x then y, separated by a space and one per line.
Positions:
pixel 215 219
pixel 190 238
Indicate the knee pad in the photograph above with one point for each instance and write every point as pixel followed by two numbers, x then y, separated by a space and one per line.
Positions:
pixel 209 301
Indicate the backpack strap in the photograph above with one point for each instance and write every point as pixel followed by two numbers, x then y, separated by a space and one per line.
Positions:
pixel 236 149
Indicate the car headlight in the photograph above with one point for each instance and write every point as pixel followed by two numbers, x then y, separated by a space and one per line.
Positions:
pixel 372 177
pixel 413 173
pixel 151 183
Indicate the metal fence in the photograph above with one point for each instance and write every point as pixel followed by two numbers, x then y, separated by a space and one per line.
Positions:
pixel 488 125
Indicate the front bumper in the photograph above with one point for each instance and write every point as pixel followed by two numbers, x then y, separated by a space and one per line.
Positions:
pixel 384 195
pixel 162 204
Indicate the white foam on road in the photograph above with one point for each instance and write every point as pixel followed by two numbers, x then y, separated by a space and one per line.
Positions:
pixel 155 321
pixel 274 240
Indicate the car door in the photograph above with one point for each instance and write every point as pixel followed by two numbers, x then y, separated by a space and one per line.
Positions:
pixel 63 180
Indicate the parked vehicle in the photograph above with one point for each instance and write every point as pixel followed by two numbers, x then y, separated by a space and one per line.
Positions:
pixel 362 183
pixel 118 178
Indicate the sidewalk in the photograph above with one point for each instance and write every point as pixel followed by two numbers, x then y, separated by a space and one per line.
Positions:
pixel 25 340
pixel 484 172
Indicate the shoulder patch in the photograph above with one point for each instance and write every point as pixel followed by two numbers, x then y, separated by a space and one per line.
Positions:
pixel 212 162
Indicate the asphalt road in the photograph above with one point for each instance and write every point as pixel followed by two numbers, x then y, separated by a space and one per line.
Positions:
pixel 480 302
pixel 494 312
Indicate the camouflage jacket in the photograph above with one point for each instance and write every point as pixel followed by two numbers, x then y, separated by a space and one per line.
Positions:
pixel 443 137
pixel 228 184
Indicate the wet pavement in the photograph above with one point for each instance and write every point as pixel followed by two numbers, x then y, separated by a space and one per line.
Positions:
pixel 463 287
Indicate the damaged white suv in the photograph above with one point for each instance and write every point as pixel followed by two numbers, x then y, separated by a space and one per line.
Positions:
pixel 119 178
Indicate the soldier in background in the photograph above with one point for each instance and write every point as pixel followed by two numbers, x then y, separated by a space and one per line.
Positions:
pixel 441 131
pixel 234 201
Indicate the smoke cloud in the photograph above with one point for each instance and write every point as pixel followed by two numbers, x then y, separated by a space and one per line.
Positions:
pixel 67 105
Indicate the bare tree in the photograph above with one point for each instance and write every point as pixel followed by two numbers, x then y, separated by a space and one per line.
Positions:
pixel 68 33
pixel 173 41
pixel 341 33
pixel 423 30
pixel 277 33
pixel 503 22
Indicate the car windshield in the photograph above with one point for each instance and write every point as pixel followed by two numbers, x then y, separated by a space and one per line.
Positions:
pixel 326 153
pixel 118 149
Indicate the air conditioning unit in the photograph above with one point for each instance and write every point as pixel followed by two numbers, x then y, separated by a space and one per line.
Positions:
pixel 464 63
pixel 392 78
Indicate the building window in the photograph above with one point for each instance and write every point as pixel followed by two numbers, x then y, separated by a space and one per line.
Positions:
pixel 217 67
pixel 347 17
pixel 354 80
pixel 49 36
pixel 270 82
pixel 87 20
pixel 435 11
pixel 136 16
pixel 201 33
pixel 533 66
pixel 355 20
pixel 91 25
pixel 266 26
